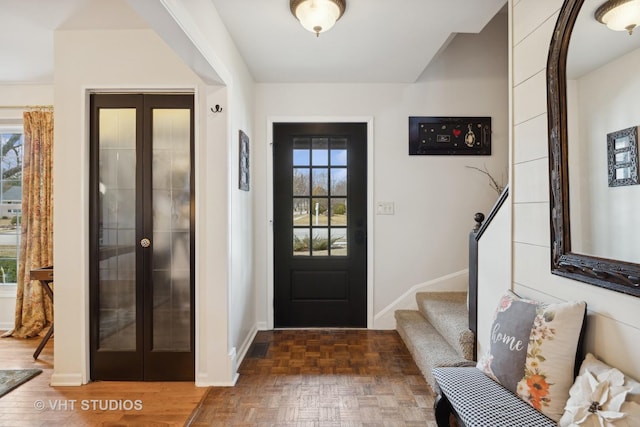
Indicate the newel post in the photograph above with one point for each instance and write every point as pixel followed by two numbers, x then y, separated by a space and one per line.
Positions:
pixel 473 280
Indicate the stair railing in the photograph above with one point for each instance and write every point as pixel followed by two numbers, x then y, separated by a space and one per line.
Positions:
pixel 474 238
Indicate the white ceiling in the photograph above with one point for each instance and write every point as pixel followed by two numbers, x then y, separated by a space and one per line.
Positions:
pixel 375 41
pixel 27 28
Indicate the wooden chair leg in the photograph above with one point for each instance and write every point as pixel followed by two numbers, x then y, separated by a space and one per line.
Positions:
pixel 443 410
pixel 43 342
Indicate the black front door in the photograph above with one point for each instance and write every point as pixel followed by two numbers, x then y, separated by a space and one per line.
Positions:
pixel 320 224
pixel 142 241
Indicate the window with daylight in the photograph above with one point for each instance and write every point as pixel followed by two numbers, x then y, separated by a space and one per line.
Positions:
pixel 11 143
pixel 320 196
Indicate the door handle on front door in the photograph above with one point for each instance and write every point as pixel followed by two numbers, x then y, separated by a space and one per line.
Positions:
pixel 360 234
pixel 145 243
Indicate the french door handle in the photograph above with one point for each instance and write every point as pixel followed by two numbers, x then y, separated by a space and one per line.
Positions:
pixel 145 243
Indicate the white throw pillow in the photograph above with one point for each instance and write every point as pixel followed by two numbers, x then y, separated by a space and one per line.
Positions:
pixel 602 396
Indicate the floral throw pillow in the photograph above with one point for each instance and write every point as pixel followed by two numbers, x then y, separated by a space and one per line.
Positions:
pixel 532 350
pixel 602 396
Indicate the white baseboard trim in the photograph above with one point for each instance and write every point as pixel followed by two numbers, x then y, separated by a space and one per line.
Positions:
pixel 244 348
pixel 203 381
pixel 262 326
pixel 5 326
pixel 458 281
pixel 66 380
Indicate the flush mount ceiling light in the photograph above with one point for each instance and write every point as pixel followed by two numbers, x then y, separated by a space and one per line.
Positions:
pixel 619 15
pixel 317 16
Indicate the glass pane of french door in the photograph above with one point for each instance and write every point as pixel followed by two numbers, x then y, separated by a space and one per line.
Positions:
pixel 116 242
pixel 171 258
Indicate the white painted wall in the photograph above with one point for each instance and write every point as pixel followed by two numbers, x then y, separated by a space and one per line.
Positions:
pixel 435 197
pixel 17 95
pixel 23 95
pixel 84 61
pixel 607 102
pixel 613 331
pixel 7 307
pixel 140 60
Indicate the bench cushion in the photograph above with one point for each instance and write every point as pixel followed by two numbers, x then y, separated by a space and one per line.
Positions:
pixel 480 401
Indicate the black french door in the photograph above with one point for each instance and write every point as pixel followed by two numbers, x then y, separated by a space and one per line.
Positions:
pixel 320 224
pixel 142 240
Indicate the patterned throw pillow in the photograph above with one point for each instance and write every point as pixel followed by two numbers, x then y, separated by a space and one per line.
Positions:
pixel 532 350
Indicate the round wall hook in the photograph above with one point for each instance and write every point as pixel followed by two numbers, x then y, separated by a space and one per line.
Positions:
pixel 216 109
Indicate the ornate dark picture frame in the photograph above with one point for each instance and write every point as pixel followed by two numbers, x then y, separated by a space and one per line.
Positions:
pixel 622 157
pixel 243 167
pixel 607 273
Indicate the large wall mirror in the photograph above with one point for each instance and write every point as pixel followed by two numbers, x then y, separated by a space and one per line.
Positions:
pixel 593 88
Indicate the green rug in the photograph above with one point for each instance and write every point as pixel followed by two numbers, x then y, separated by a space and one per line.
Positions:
pixel 12 378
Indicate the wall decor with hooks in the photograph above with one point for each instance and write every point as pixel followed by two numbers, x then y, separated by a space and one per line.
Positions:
pixel 449 136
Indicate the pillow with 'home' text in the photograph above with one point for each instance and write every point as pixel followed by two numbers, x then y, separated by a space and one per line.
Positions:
pixel 532 350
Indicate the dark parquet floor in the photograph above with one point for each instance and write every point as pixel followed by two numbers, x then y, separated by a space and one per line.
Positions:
pixel 322 378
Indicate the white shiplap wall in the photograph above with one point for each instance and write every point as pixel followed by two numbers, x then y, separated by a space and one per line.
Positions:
pixel 613 331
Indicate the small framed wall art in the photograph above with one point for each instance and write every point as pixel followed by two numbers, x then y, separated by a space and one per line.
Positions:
pixel 244 162
pixel 450 136
pixel 622 157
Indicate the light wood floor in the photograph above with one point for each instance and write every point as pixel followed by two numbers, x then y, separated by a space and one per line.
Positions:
pixel 318 378
pixel 163 403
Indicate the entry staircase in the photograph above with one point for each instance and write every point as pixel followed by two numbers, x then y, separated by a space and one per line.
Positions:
pixel 437 333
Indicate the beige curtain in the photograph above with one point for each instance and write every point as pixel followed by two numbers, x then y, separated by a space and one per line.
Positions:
pixel 34 311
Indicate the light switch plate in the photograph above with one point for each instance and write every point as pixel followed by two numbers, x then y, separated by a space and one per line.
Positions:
pixel 385 208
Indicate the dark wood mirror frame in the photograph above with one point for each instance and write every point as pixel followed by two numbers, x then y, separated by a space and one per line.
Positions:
pixel 607 273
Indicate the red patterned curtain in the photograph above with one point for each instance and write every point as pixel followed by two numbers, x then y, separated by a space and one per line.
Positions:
pixel 34 310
